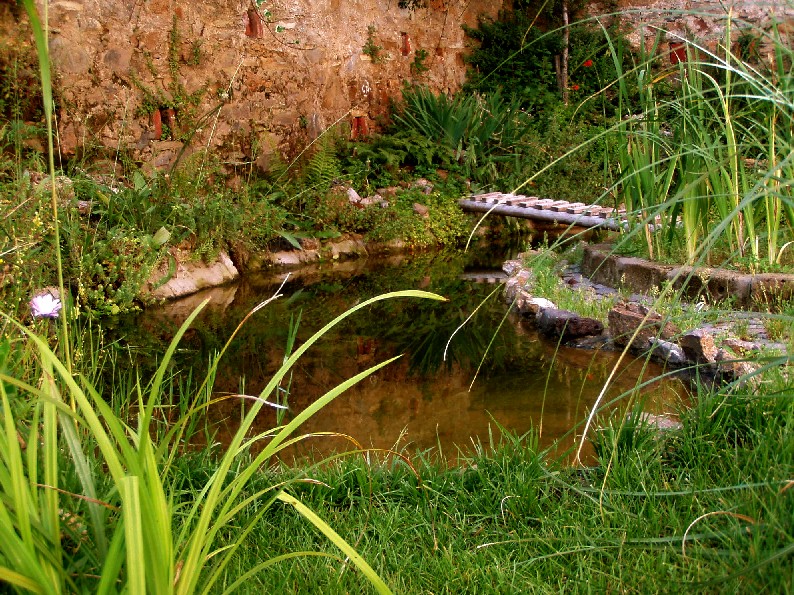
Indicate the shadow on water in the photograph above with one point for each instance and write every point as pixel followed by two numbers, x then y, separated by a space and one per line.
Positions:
pixel 422 400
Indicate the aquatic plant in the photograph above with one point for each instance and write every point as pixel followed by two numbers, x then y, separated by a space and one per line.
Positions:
pixel 709 165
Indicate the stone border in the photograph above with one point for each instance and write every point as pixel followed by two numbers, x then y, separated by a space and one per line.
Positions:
pixel 711 350
pixel 747 291
pixel 179 275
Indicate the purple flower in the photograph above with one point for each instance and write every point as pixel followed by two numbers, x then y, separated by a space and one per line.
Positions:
pixel 45 305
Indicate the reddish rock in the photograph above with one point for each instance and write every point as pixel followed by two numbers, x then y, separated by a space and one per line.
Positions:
pixel 698 345
pixel 253 24
pixel 405 45
pixel 626 318
pixel 156 121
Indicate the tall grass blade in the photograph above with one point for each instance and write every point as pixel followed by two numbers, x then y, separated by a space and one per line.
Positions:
pixel 133 533
pixel 338 541
pixel 42 49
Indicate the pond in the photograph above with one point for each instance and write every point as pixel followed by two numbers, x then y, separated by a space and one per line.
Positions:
pixel 423 400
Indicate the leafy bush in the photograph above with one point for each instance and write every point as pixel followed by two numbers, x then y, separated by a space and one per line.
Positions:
pixel 517 57
pixel 479 132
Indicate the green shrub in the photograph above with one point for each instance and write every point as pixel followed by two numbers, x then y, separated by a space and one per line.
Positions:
pixel 516 56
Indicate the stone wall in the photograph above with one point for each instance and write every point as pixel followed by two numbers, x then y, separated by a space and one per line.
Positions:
pixel 700 21
pixel 268 79
pixel 160 78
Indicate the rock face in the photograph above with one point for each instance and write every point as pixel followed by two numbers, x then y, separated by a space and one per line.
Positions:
pixel 667 351
pixel 275 76
pixel 625 319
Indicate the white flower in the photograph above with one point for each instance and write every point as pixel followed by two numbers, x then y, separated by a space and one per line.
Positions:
pixel 45 305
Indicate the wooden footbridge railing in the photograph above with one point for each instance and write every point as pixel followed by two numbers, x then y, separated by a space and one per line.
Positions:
pixel 545 209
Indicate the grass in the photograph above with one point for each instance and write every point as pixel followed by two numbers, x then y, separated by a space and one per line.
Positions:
pixel 546 266
pixel 705 509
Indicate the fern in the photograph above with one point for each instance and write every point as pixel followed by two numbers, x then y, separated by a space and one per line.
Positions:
pixel 323 167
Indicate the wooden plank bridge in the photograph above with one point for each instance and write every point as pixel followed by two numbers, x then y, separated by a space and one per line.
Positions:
pixel 545 209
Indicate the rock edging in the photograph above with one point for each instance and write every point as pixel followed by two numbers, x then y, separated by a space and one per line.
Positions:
pixel 636 326
pixel 746 291
pixel 179 275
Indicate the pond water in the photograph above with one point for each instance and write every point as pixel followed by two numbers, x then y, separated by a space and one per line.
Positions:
pixel 419 402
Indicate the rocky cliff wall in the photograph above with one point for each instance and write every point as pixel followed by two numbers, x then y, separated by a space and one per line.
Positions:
pixel 164 78
pixel 149 75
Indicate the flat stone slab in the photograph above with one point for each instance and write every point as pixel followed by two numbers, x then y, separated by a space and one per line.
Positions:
pixel 743 290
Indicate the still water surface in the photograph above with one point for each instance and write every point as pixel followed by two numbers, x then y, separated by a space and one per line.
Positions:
pixel 420 401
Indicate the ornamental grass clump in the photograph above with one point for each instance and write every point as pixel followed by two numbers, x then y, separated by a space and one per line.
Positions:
pixel 67 526
pixel 708 166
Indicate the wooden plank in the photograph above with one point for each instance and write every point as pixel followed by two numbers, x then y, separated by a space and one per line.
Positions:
pixel 559 206
pixel 543 203
pixel 529 202
pixel 575 208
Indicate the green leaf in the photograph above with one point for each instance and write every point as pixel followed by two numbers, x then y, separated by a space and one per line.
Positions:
pixel 133 533
pixel 161 237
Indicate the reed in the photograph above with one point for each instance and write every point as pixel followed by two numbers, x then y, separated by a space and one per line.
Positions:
pixel 708 166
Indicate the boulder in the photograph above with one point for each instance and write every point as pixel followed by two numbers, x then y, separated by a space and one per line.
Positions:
pixel 511 290
pixel 189 276
pixel 733 369
pixel 353 196
pixel 533 306
pixel 667 351
pixel 566 324
pixel 511 267
pixel 626 318
pixel 698 345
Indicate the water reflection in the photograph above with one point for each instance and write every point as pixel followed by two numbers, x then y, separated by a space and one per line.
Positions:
pixel 421 401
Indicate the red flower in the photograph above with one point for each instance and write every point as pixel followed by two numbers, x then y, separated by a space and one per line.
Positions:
pixel 587 63
pixel 574 87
